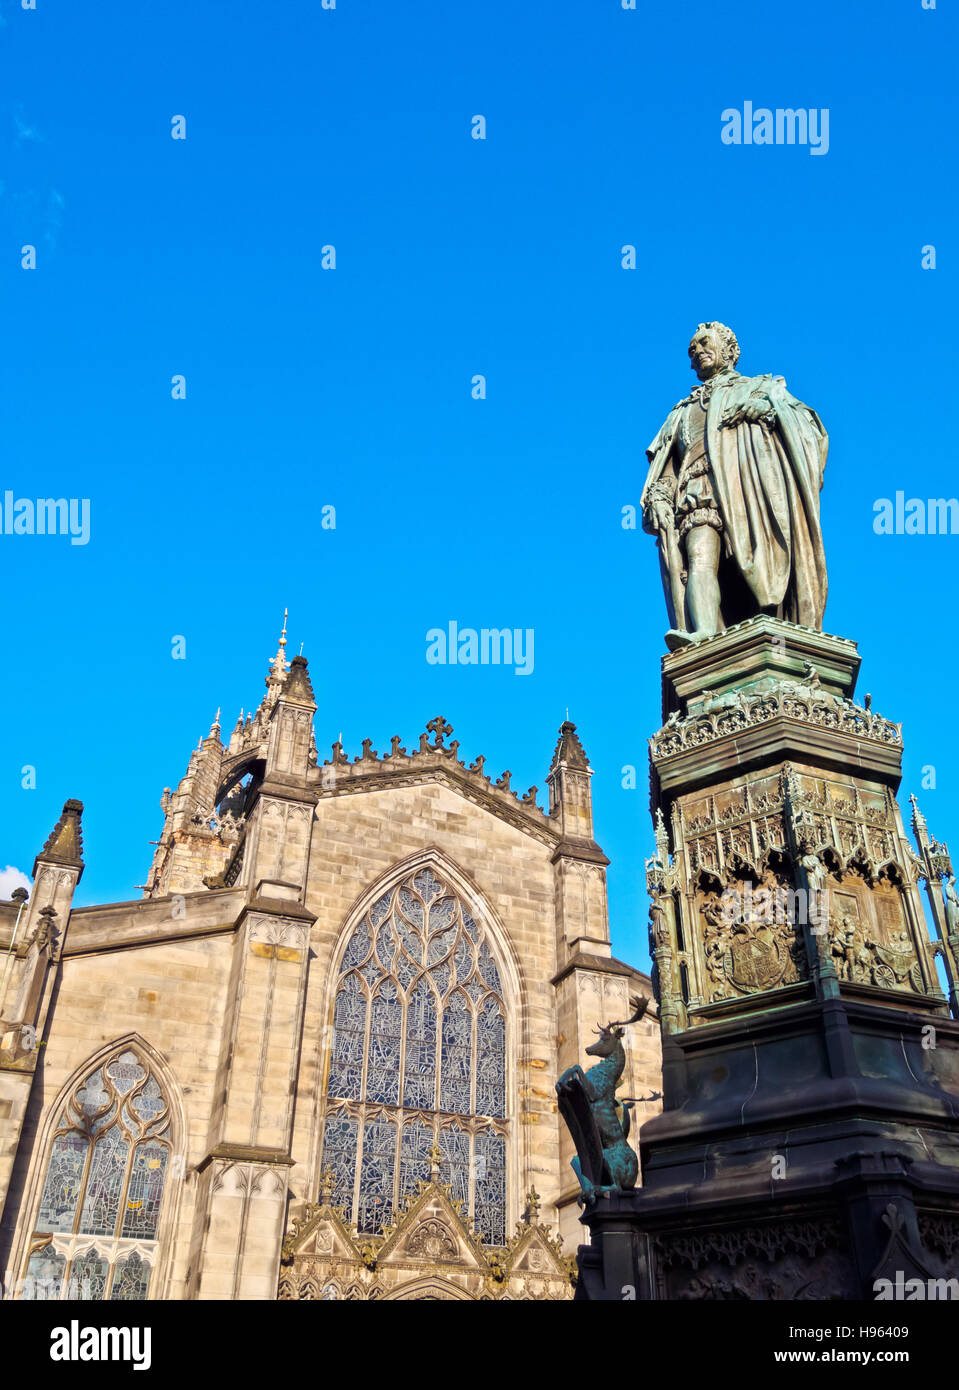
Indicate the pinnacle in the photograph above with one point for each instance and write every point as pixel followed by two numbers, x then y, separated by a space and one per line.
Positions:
pixel 278 666
pixel 298 685
pixel 568 749
pixel 65 842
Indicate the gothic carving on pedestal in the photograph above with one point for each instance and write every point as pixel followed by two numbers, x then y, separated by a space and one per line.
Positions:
pixel 805 1260
pixel 749 945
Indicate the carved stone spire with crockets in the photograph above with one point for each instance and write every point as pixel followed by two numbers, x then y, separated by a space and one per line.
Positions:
pixel 579 863
pixel 65 842
pixel 570 801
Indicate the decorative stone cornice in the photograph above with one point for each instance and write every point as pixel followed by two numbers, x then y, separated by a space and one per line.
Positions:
pixel 288 789
pixel 276 907
pixel 432 761
pixel 246 1153
pixel 586 850
pixel 600 965
pixel 735 712
pixel 759 647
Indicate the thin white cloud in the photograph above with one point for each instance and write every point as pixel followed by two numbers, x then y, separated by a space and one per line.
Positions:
pixel 25 131
pixel 11 878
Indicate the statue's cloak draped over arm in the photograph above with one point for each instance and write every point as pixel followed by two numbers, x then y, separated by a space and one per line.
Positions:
pixel 659 451
pixel 767 483
pixel 661 478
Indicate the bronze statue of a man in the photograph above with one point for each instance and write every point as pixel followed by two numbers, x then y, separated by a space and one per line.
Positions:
pixel 732 494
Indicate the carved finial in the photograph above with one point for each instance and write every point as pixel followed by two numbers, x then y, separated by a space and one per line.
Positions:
pixel 919 827
pixel 892 1218
pixel 569 750
pixel 503 782
pixel 435 1156
pixel 278 667
pixel 327 1185
pixel 215 726
pixel 662 838
pixel 532 1207
pixel 440 729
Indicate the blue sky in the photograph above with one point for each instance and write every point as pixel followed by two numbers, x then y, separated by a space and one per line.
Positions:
pixel 352 387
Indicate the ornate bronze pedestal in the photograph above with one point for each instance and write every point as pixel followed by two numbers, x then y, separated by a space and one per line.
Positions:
pixel 809 1141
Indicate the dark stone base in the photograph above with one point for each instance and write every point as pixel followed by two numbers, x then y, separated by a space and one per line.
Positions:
pixel 805 1154
pixel 876 1222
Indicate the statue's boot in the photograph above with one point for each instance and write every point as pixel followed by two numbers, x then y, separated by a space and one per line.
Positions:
pixel 676 639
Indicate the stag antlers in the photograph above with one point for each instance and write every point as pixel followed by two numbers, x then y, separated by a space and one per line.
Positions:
pixel 618 1028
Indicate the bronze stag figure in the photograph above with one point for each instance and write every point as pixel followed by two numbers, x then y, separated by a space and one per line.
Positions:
pixel 598 1122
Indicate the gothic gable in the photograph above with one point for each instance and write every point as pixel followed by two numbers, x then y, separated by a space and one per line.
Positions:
pixel 428 1253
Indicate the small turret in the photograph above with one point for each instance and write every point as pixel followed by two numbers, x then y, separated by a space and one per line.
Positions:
pixel 570 801
pixel 579 863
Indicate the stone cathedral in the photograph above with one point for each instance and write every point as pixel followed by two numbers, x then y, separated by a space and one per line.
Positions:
pixel 316 1059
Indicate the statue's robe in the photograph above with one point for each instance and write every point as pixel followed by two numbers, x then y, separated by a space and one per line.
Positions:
pixel 766 483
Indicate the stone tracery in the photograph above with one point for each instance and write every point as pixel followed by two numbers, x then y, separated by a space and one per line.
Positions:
pixel 418 1058
pixel 95 1234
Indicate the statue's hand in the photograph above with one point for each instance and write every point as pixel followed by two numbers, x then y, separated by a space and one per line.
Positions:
pixel 754 409
pixel 658 511
pixel 660 514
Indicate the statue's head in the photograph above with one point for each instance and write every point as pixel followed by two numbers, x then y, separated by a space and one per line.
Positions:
pixel 605 1044
pixel 611 1033
pixel 712 347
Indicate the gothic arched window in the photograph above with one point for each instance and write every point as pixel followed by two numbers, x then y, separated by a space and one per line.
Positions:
pixel 95 1235
pixel 418 1059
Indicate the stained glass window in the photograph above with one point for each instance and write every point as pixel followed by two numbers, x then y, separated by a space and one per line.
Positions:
pixel 417 1060
pixel 376 1174
pixel 105 1179
pixel 44 1277
pixel 68 1159
pixel 130 1279
pixel 489 1164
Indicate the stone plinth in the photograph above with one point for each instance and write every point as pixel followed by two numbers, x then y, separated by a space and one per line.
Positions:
pixel 809 1139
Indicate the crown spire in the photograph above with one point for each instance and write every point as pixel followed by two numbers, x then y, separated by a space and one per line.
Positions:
pixel 278 663
pixel 278 667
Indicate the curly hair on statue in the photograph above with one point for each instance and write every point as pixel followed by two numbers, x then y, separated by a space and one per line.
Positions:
pixel 730 343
